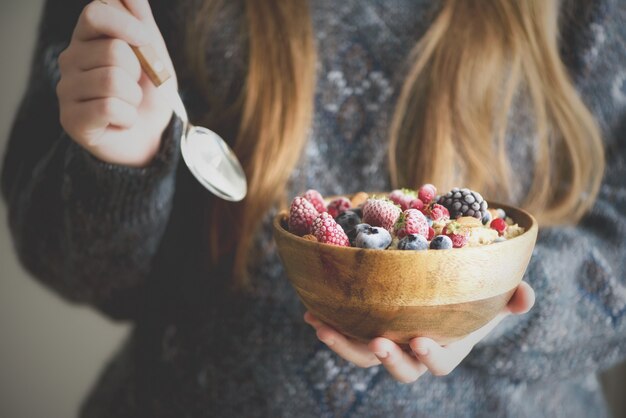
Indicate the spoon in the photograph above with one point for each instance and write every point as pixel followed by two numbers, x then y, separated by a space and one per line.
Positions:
pixel 206 154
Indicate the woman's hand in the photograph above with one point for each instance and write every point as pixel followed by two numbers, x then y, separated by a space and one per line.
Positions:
pixel 425 354
pixel 107 105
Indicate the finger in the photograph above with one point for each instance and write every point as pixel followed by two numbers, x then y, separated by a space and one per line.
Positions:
pixel 312 320
pixel 85 56
pixel 439 360
pixel 101 20
pixel 352 351
pixel 140 9
pixel 100 83
pixel 522 300
pixel 83 121
pixel 401 365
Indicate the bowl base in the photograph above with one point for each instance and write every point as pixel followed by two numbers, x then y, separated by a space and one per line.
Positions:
pixel 442 323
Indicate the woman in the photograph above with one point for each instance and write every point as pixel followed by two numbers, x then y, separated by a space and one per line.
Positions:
pixel 104 212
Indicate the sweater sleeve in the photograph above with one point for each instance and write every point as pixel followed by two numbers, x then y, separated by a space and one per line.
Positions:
pixel 578 323
pixel 85 228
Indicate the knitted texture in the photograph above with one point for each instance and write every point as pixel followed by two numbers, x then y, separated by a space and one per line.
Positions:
pixel 133 242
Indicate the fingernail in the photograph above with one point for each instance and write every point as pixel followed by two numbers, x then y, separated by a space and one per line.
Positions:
pixel 422 351
pixel 381 354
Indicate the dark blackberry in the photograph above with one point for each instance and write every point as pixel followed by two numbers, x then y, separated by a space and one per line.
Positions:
pixel 464 202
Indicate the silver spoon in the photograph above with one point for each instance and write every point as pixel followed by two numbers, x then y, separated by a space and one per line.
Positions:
pixel 207 155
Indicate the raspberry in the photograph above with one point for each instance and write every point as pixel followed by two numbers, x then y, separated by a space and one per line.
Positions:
pixel 381 212
pixel 411 221
pixel 431 233
pixel 457 234
pixel 416 204
pixel 427 193
pixel 326 230
pixel 301 216
pixel 438 212
pixel 402 198
pixel 499 225
pixel 337 206
pixel 316 200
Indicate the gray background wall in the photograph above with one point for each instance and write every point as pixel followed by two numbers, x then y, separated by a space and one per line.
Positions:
pixel 50 351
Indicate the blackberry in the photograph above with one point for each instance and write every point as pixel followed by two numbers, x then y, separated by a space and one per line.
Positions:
pixel 464 202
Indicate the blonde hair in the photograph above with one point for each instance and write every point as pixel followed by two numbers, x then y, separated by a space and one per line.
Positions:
pixel 450 121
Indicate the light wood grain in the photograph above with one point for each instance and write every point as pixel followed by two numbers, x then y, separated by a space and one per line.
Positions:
pixel 442 294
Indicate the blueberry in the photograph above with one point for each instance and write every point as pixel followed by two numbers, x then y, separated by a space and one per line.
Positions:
pixel 501 213
pixel 486 218
pixel 372 237
pixel 413 242
pixel 355 231
pixel 441 242
pixel 348 220
pixel 358 211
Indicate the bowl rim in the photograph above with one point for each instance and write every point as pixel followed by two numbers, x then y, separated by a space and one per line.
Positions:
pixel 532 230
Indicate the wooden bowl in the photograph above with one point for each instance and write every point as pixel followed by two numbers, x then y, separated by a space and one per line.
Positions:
pixel 440 294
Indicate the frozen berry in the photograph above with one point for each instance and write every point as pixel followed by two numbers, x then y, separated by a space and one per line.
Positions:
pixel 348 221
pixel 441 242
pixel 301 216
pixel 316 200
pixel 457 234
pixel 413 242
pixel 438 212
pixel 381 212
pixel 501 213
pixel 337 206
pixel 373 237
pixel 427 193
pixel 411 221
pixel 431 233
pixel 416 204
pixel 499 225
pixel 326 230
pixel 486 218
pixel 464 202
pixel 402 198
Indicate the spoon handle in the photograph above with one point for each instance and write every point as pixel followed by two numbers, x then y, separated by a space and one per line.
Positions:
pixel 151 64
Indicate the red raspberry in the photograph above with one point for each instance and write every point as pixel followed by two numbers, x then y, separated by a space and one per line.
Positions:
pixel 326 230
pixel 381 212
pixel 438 212
pixel 301 216
pixel 411 221
pixel 457 234
pixel 316 199
pixel 427 193
pixel 499 225
pixel 416 204
pixel 402 198
pixel 338 206
pixel 431 233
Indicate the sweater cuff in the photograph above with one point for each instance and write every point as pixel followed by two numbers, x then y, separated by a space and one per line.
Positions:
pixel 121 193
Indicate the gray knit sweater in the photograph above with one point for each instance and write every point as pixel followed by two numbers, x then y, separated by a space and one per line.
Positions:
pixel 132 242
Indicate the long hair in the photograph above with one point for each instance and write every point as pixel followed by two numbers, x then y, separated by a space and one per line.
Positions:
pixel 450 120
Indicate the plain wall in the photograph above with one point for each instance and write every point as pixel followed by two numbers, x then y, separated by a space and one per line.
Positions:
pixel 50 351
